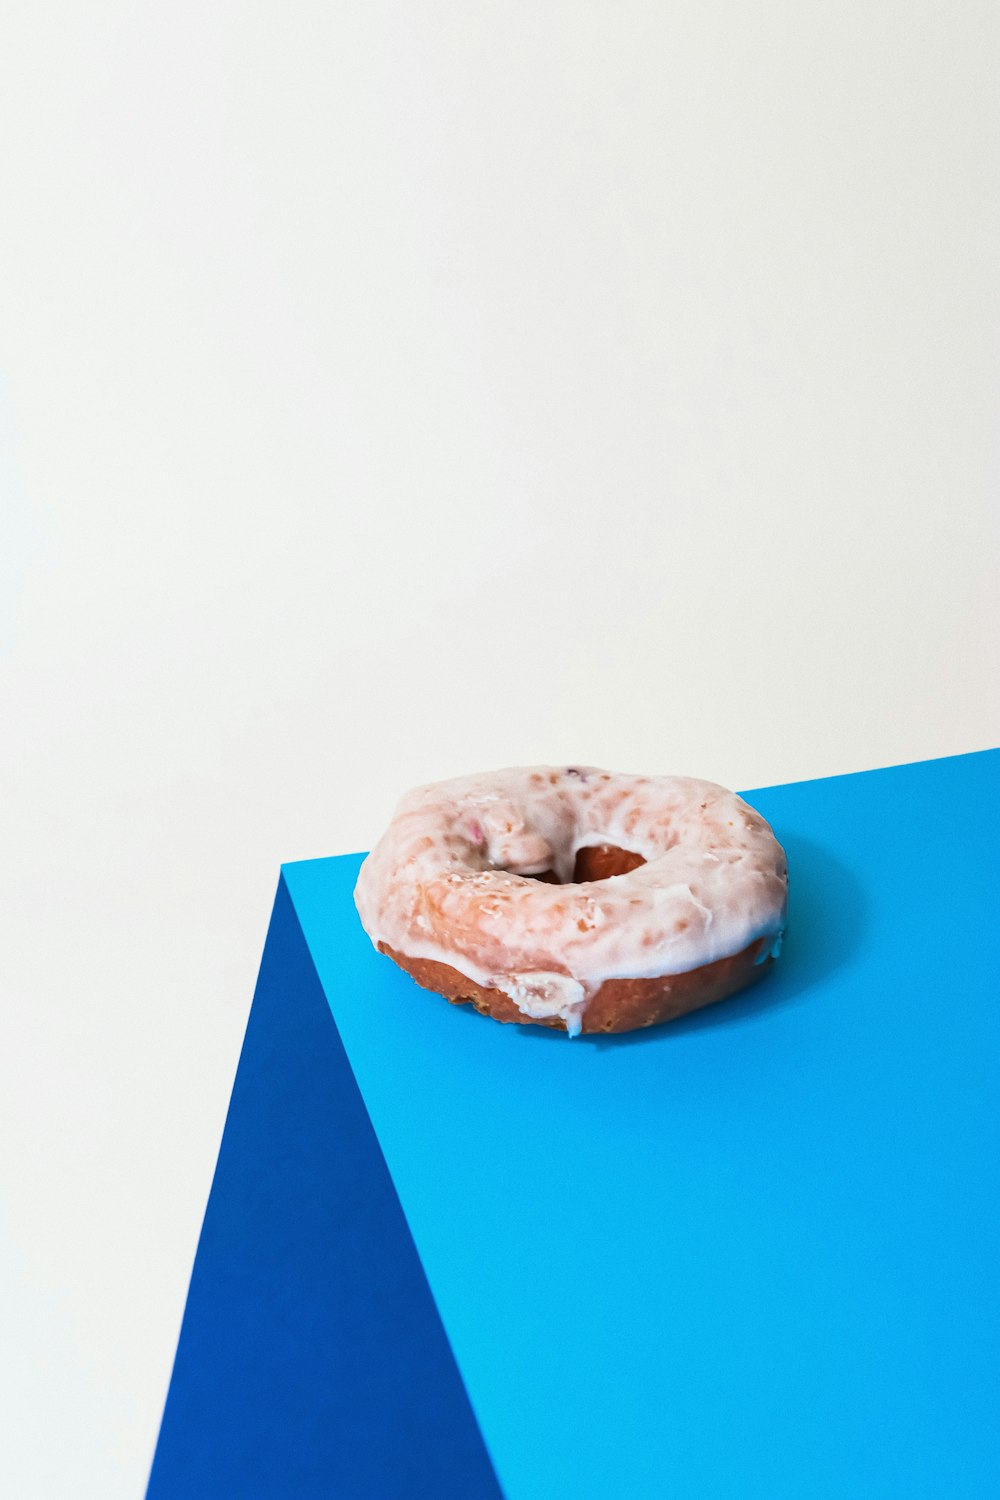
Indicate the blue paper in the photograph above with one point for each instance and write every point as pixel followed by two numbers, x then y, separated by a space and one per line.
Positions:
pixel 750 1254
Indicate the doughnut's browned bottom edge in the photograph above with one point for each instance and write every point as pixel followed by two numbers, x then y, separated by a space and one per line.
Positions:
pixel 619 1005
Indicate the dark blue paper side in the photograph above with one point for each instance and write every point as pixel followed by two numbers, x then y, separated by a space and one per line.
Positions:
pixel 312 1360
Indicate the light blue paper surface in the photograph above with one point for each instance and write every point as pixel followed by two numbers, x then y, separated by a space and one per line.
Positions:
pixel 754 1252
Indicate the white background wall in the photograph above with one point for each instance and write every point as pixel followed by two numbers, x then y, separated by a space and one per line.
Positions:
pixel 389 390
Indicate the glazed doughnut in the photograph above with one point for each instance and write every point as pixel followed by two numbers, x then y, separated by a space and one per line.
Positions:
pixel 574 898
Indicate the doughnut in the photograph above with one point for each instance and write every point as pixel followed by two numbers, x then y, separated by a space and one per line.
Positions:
pixel 575 898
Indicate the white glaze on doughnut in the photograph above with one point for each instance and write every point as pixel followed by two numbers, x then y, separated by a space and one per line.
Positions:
pixel 448 881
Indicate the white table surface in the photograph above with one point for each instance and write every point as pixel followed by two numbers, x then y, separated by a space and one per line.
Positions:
pixel 393 390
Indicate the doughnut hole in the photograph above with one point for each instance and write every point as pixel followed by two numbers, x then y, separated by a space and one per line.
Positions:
pixel 601 861
pixel 596 862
